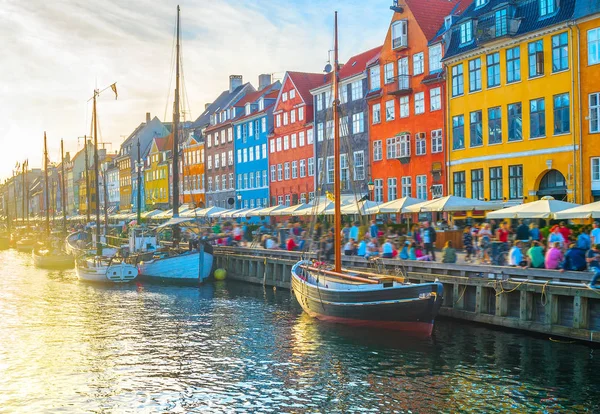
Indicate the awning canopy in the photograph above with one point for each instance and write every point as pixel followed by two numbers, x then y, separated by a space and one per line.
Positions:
pixel 397 206
pixel 582 212
pixel 175 221
pixel 451 203
pixel 545 208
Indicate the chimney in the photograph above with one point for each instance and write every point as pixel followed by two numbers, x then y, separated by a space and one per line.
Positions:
pixel 206 105
pixel 264 80
pixel 147 117
pixel 67 156
pixel 234 82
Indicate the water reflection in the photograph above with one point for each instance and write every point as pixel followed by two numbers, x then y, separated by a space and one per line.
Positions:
pixel 68 346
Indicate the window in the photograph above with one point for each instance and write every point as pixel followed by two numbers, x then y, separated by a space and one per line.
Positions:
pixel 272 173
pixel 279 172
pixel 294 169
pixel 537 118
pixel 311 167
pixel 264 178
pixel 284 96
pixel 560 52
pixel 344 93
pixel 422 187
pixel 595 169
pixel 376 113
pixel 460 185
pixel 287 200
pixel 319 99
pixel 419 102
pixel 209 162
pixel 561 114
pixel 536 58
pixel 377 151
pixel 435 99
pixel 292 93
pixel 301 113
pixel 436 141
pixel 209 184
pixel 404 107
pixel 327 97
pixel 357 90
pixel 344 171
pixel 359 165
pixel 374 78
pixel 264 151
pixel 479 3
pixel 309 137
pixel 230 157
pixel 330 175
pixel 418 63
pixel 547 7
pixel 420 144
pixel 466 32
pixel 302 168
pixel 358 125
pixel 513 64
pixel 258 179
pixel 285 118
pixel 378 190
pixel 320 131
pixel 278 120
pixel 286 170
pixel 391 148
pixel 399 34
pixel 251 154
pixel 594 117
pixel 495 125
pixel 389 110
pixel 435 57
pixel 493 69
pixel 515 181
pixel 271 147
pixel 593 40
pixel 458 132
pixel 457 80
pixel 405 145
pixel 329 129
pixel 406 186
pixel 209 140
pixel 475 75
pixel 251 181
pixel 280 200
pixel 496 183
pixel 477 184
pixel 392 189
pixel 294 140
pixel 343 126
pixel 292 116
pixel 515 122
pixel 389 72
pixel 476 129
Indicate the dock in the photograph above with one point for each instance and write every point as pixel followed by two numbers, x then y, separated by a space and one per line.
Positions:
pixel 536 300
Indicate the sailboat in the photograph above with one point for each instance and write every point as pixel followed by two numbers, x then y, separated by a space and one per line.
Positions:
pixel 175 264
pixel 359 298
pixel 50 256
pixel 99 268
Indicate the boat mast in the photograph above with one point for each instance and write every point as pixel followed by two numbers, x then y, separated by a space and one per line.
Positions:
pixel 176 130
pixel 62 186
pixel 336 160
pixel 23 178
pixel 98 246
pixel 46 185
pixel 139 184
pixel 87 178
pixel 104 181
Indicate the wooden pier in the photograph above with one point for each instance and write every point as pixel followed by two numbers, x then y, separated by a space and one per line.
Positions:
pixel 542 301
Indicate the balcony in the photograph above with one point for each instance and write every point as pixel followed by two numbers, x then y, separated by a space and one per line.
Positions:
pixel 494 26
pixel 400 86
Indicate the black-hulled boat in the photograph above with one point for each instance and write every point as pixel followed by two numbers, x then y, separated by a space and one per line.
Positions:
pixel 361 299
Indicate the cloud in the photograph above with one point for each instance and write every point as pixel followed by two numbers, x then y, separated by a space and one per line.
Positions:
pixel 55 53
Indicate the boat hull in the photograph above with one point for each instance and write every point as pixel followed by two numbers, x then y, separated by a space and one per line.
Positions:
pixel 4 243
pixel 183 268
pixel 25 247
pixel 408 308
pixel 52 261
pixel 114 273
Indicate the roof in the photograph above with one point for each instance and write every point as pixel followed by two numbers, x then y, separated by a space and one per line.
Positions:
pixel 430 14
pixel 526 17
pixel 164 143
pixel 222 102
pixel 255 96
pixel 304 82
pixel 584 8
pixel 355 65
pixel 242 118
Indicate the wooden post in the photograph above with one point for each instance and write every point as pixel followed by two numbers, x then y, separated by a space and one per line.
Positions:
pixel 501 305
pixel 580 311
pixel 459 294
pixel 551 309
pixel 478 298
pixel 525 303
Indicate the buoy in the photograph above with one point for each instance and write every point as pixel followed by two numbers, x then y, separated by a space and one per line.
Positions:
pixel 220 274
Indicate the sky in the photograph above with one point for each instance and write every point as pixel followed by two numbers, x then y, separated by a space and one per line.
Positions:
pixel 54 53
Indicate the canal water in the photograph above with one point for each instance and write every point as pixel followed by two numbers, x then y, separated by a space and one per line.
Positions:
pixel 67 346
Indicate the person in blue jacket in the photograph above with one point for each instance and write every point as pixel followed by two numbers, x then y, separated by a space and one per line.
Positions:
pixel 574 259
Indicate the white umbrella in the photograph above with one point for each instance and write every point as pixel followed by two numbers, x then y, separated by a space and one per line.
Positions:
pixel 298 209
pixel 451 203
pixel 396 206
pixel 151 214
pixel 226 214
pixel 266 211
pixel 541 209
pixel 364 208
pixel 205 212
pixel 240 213
pixel 582 212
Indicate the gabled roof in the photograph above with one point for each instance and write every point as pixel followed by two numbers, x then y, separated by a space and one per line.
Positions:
pixel 224 100
pixel 585 8
pixel 430 14
pixel 526 15
pixel 303 82
pixel 244 117
pixel 355 65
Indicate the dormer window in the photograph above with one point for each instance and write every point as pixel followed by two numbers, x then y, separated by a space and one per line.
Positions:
pixel 466 32
pixel 399 34
pixel 261 104
pixel 547 7
pixel 248 108
pixel 479 3
pixel 447 22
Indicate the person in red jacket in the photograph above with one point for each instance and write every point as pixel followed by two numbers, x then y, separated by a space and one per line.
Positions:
pixel 565 231
pixel 291 244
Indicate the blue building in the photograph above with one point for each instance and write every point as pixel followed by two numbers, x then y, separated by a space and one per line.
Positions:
pixel 251 130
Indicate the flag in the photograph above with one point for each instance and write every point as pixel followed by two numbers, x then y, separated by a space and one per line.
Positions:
pixel 330 196
pixel 114 89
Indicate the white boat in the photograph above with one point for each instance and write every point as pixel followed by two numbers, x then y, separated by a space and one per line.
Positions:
pixel 26 245
pixel 49 259
pixel 77 245
pixel 103 270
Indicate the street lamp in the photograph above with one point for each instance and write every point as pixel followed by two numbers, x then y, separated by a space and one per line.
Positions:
pixel 239 199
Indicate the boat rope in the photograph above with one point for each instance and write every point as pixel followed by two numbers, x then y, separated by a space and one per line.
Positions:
pixel 461 295
pixel 560 341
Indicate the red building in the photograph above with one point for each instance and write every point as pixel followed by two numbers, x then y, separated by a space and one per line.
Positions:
pixel 407 105
pixel 291 147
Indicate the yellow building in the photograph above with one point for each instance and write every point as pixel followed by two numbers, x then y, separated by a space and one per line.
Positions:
pixel 157 173
pixel 513 117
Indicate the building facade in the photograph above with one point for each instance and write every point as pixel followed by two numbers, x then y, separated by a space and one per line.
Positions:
pixel 251 131
pixel 406 103
pixel 291 147
pixel 354 131
pixel 157 192
pixel 193 171
pixel 513 102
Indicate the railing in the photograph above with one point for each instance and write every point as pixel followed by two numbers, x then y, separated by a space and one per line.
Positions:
pixel 400 86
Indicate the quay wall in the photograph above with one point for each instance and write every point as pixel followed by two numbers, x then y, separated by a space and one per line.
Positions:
pixel 526 299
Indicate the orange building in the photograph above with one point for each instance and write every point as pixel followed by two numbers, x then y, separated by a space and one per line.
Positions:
pixel 193 172
pixel 407 105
